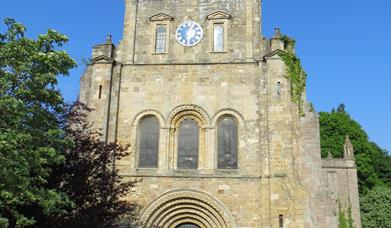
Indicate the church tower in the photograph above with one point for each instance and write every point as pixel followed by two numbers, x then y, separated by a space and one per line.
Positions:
pixel 206 105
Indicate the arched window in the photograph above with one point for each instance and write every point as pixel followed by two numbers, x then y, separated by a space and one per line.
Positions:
pixel 227 143
pixel 218 38
pixel 161 33
pixel 148 142
pixel 188 144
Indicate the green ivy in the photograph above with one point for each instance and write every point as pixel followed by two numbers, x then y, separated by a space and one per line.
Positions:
pixel 289 43
pixel 345 218
pixel 295 72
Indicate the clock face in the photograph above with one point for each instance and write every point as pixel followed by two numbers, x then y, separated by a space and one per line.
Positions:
pixel 189 33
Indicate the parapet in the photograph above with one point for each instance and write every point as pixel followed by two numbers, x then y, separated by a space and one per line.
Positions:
pixel 106 49
pixel 276 43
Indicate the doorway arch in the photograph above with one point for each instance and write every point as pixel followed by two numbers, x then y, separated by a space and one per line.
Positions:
pixel 177 208
pixel 187 225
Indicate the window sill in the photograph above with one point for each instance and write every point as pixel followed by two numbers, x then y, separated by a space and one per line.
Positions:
pixel 187 174
pixel 218 52
pixel 159 53
pixel 146 169
pixel 227 170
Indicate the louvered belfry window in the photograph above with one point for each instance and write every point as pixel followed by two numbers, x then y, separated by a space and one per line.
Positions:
pixel 148 142
pixel 188 144
pixel 218 38
pixel 161 33
pixel 227 143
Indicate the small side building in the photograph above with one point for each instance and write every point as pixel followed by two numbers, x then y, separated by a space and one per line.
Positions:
pixel 340 176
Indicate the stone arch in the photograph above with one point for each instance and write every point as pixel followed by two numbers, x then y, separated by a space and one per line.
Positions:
pixel 180 206
pixel 196 111
pixel 148 112
pixel 228 111
pixel 175 118
pixel 135 130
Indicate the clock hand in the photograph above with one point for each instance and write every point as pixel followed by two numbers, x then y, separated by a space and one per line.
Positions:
pixel 190 30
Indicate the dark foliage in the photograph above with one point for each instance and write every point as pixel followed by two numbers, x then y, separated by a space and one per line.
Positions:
pixel 54 171
pixel 90 178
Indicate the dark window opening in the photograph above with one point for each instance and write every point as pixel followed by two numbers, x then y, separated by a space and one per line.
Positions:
pixel 281 221
pixel 148 142
pixel 188 144
pixel 187 225
pixel 100 91
pixel 278 89
pixel 227 143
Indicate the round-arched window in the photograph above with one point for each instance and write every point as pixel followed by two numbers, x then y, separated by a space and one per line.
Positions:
pixel 148 142
pixel 188 144
pixel 227 143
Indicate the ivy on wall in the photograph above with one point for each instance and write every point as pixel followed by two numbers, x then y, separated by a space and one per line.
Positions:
pixel 295 72
pixel 345 218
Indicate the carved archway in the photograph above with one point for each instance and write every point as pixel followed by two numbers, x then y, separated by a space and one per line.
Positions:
pixel 188 109
pixel 174 119
pixel 186 206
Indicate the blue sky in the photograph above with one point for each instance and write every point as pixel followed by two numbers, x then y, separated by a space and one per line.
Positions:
pixel 345 47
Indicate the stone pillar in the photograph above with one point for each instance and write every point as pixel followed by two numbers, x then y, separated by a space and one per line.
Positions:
pixel 353 195
pixel 130 32
pixel 115 90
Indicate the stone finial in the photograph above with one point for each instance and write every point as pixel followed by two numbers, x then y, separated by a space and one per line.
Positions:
pixel 329 155
pixel 348 152
pixel 109 39
pixel 277 33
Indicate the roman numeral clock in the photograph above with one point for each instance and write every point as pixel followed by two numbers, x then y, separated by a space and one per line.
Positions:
pixel 189 33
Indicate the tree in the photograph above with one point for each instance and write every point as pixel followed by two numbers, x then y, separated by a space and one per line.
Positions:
pixel 334 127
pixel 376 207
pixel 90 177
pixel 373 163
pixel 30 133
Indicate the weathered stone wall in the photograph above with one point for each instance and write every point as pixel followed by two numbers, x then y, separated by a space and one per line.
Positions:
pixel 240 195
pixel 279 173
pixel 243 29
pixel 340 177
pixel 214 88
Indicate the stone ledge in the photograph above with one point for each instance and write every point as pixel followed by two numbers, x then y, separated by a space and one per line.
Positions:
pixel 338 163
pixel 190 63
pixel 338 167
pixel 182 176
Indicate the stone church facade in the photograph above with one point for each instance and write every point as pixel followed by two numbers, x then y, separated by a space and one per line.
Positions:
pixel 204 100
